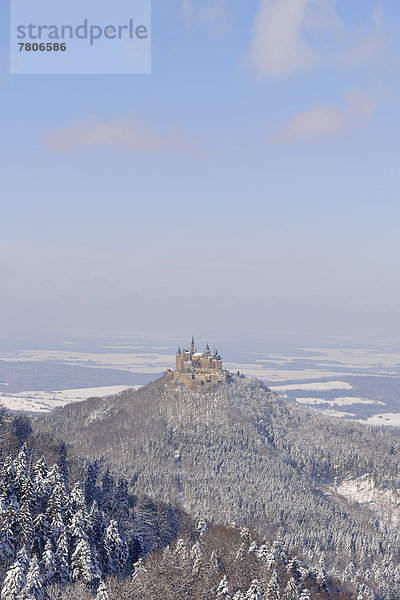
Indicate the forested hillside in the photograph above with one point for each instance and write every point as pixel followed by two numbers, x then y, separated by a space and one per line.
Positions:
pixel 58 527
pixel 66 535
pixel 239 454
pixel 223 564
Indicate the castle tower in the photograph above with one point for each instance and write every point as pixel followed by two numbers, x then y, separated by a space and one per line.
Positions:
pixel 178 361
pixel 192 345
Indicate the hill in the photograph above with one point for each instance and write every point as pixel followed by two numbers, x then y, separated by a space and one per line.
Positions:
pixel 238 453
pixel 66 536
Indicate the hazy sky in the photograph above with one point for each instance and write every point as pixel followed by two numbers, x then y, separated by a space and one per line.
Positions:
pixel 250 182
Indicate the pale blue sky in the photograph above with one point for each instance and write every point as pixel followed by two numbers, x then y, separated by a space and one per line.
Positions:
pixel 250 182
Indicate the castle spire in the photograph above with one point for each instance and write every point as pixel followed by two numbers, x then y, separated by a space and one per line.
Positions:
pixel 192 345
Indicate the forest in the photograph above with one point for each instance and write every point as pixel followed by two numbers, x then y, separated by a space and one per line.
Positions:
pixel 239 454
pixel 65 534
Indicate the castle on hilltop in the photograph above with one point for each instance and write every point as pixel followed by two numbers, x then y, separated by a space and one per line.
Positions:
pixel 196 369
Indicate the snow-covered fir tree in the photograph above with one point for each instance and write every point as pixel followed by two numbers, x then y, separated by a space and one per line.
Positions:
pixel 15 579
pixel 33 589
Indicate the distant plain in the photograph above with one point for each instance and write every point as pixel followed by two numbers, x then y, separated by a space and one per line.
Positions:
pixel 345 377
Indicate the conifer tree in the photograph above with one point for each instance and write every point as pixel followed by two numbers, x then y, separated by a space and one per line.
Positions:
pixel 62 558
pixel 223 590
pixel 29 495
pixel 201 527
pixel 25 526
pixel 107 493
pixel 56 511
pixel 181 548
pixel 135 548
pixel 263 552
pixel 253 548
pixel 321 574
pixel 293 569
pixel 7 478
pixel 76 501
pixel 82 564
pixel 33 589
pixel 139 569
pixel 40 533
pixel 90 484
pixel 40 473
pixel 196 554
pixel 102 592
pixel 7 539
pixel 15 579
pixel 273 591
pixel 55 476
pixel 49 562
pixel 79 526
pixel 116 550
pixel 96 525
pixel 21 471
pixel 292 590
pixel 255 592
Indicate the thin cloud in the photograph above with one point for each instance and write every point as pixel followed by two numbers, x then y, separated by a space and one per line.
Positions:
pixel 279 46
pixel 213 14
pixel 292 36
pixel 327 120
pixel 131 134
pixel 188 11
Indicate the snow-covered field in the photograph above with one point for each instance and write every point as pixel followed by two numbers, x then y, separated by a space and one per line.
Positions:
pixel 362 490
pixel 341 401
pixel 318 363
pixel 364 359
pixel 390 419
pixel 348 400
pixel 316 386
pixel 40 401
pixel 330 412
pixel 269 374
pixel 128 361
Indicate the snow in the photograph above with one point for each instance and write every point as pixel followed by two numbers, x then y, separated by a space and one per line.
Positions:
pixel 43 401
pixel 278 375
pixel 330 412
pixel 151 362
pixel 340 401
pixel 310 400
pixel 362 490
pixel 346 400
pixel 315 386
pixel 325 362
pixel 388 419
pixel 381 360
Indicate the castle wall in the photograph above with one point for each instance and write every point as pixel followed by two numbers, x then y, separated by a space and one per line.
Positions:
pixel 197 380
